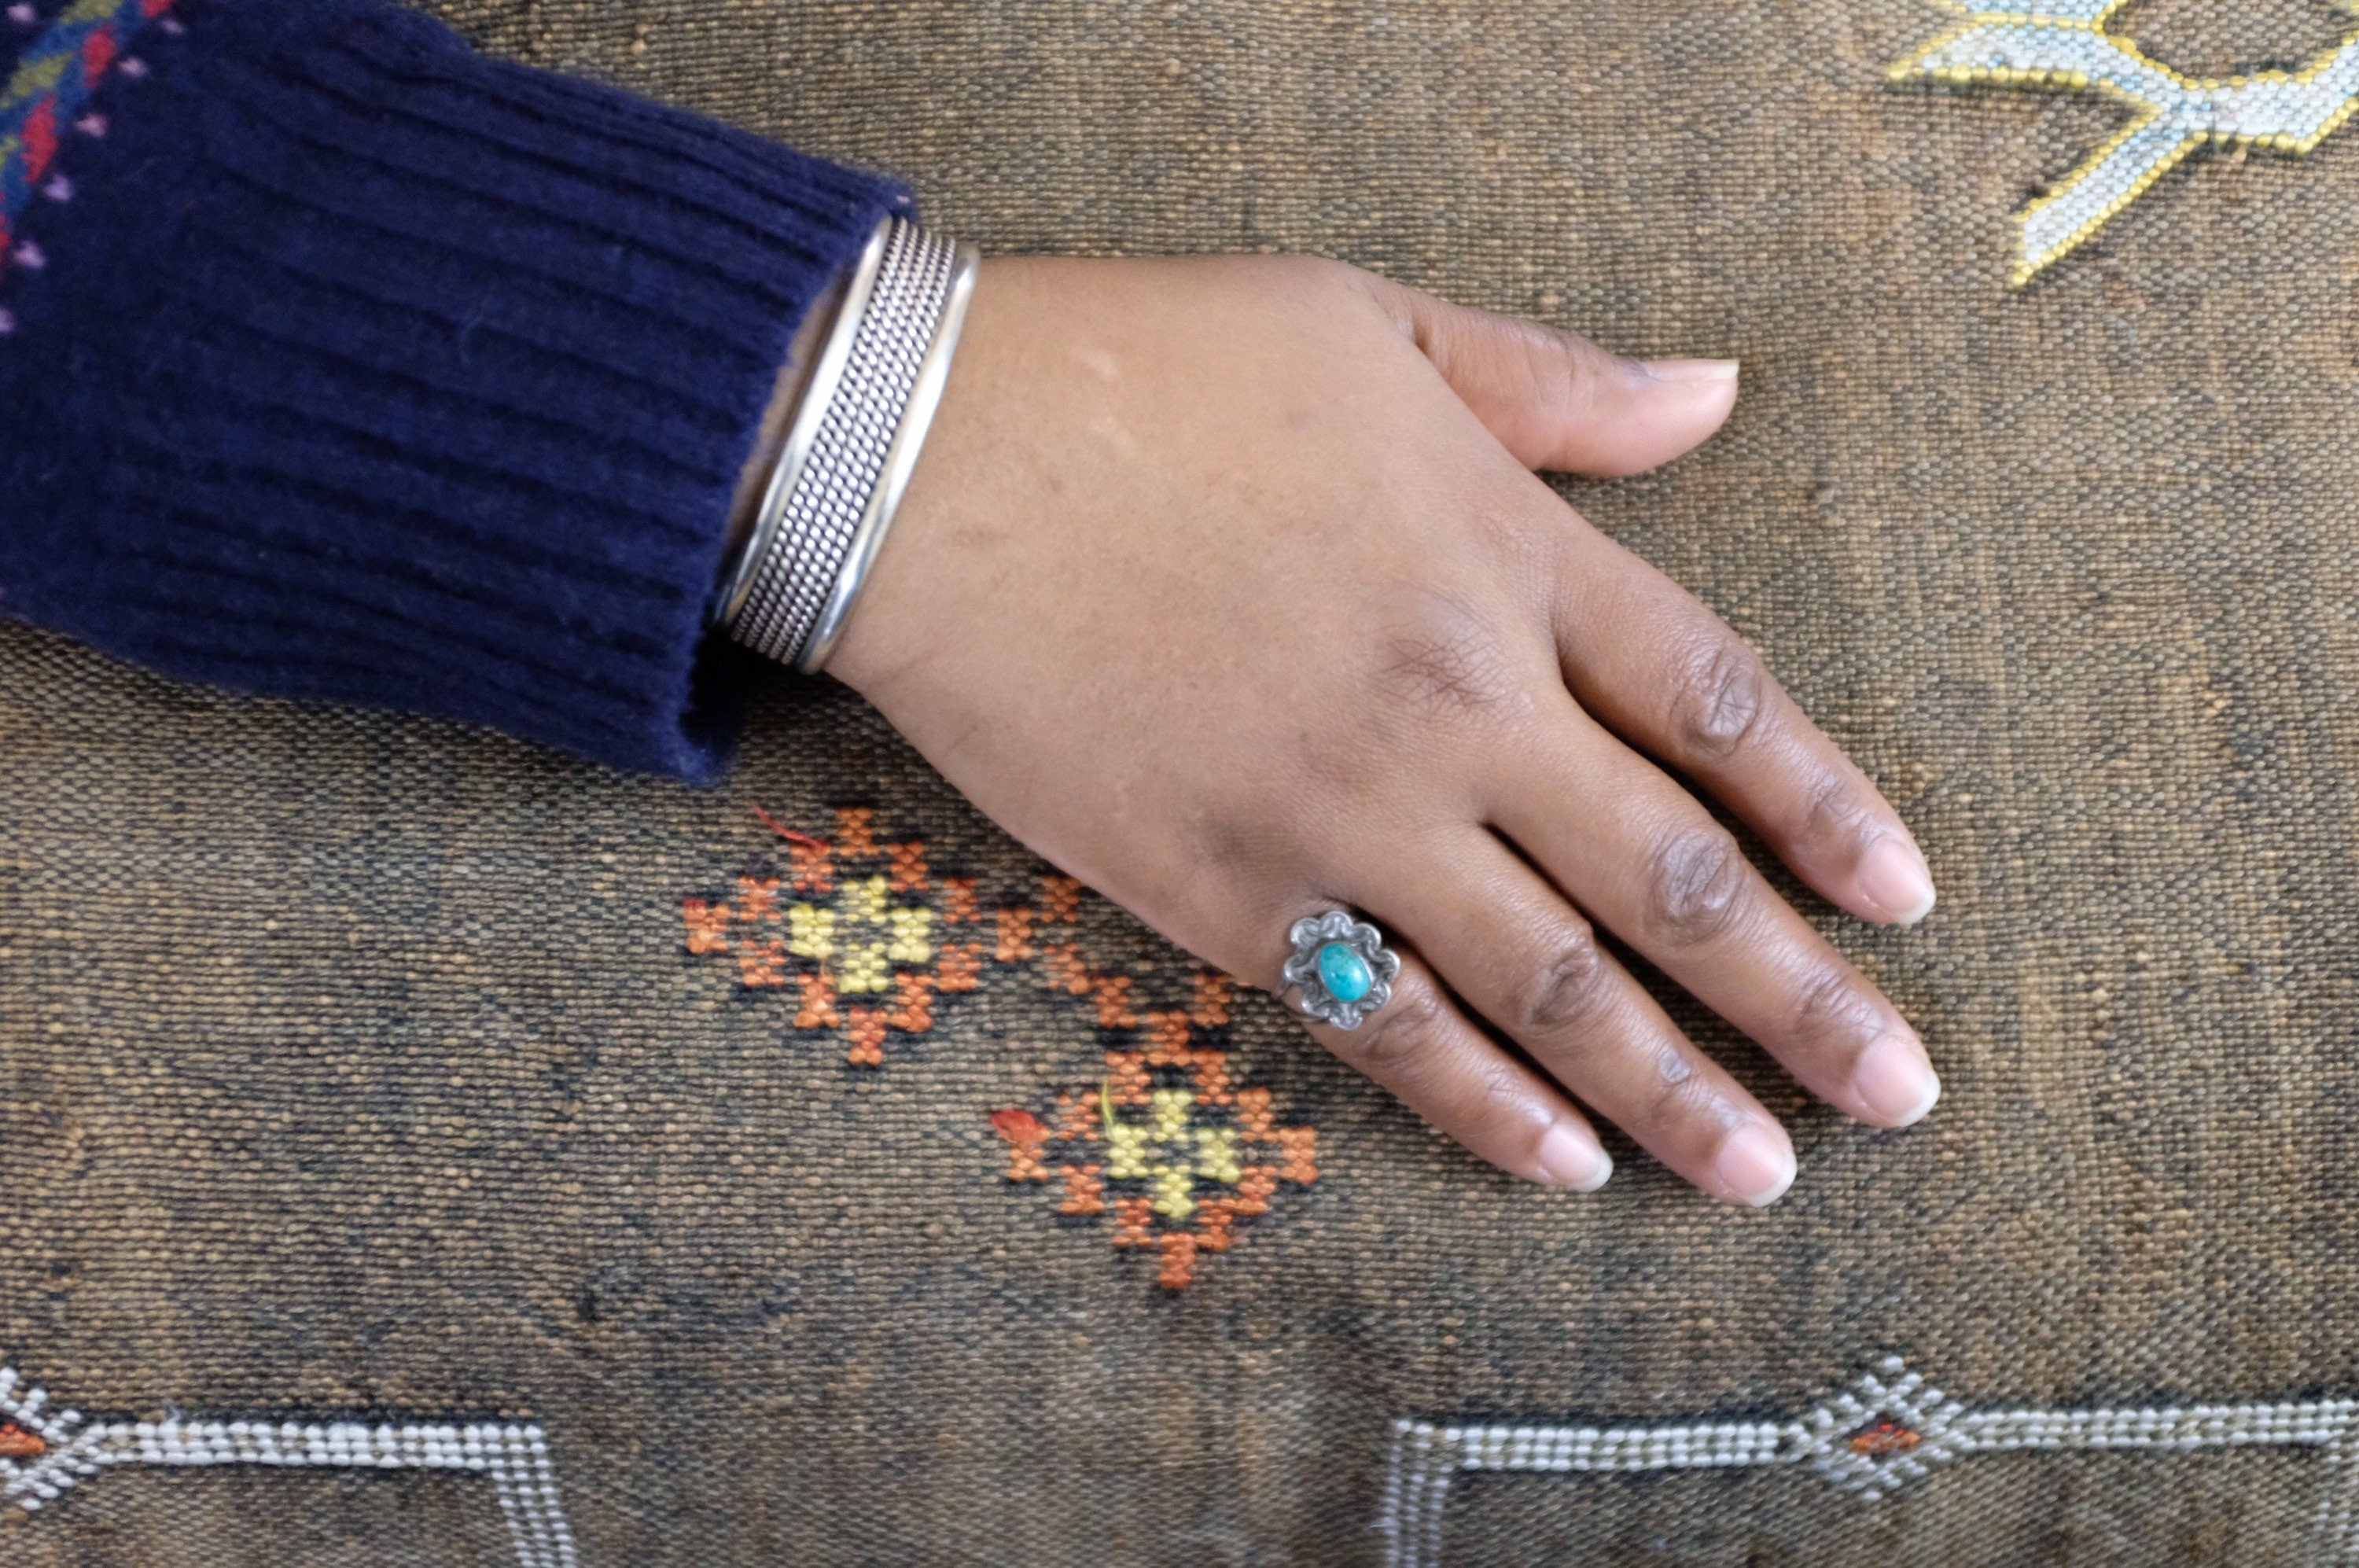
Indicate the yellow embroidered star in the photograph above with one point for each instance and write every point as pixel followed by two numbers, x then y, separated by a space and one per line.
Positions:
pixel 2065 45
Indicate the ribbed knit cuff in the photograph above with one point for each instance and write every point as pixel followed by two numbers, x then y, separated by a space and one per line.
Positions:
pixel 357 366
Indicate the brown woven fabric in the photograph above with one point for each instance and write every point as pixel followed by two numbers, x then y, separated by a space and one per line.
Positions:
pixel 355 1068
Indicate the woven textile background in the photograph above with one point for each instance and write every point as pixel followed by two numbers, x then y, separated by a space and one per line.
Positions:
pixel 361 1070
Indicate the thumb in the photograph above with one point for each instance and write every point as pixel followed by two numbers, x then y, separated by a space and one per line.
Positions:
pixel 1556 400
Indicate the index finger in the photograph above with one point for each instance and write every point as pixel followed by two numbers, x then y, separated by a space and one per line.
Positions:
pixel 1650 661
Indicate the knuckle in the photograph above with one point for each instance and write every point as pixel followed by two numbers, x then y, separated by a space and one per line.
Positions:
pixel 1674 1090
pixel 1495 1100
pixel 1399 1036
pixel 1696 884
pixel 1833 808
pixel 1577 373
pixel 1833 1005
pixel 1567 990
pixel 1721 696
pixel 1234 847
pixel 1439 660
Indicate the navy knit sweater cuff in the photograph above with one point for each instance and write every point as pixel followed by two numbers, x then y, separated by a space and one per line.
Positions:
pixel 339 362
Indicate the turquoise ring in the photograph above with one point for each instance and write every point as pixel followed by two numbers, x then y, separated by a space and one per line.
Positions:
pixel 1342 966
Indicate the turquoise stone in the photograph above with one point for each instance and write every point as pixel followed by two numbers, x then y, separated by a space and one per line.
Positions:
pixel 1344 973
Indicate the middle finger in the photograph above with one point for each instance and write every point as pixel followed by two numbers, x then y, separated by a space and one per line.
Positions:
pixel 1658 872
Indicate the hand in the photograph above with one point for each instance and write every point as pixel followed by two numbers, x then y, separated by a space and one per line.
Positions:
pixel 1226 585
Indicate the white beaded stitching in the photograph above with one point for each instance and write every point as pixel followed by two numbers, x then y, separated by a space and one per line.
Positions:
pixel 516 1458
pixel 1888 1427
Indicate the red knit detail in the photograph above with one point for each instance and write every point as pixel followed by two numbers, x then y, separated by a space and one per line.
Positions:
pixel 41 140
pixel 98 52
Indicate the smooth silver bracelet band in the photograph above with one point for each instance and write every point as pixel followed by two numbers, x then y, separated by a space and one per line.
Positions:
pixel 848 454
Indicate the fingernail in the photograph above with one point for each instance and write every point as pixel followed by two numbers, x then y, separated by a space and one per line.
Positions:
pixel 1895 879
pixel 1569 1159
pixel 1689 369
pixel 1896 1082
pixel 1755 1165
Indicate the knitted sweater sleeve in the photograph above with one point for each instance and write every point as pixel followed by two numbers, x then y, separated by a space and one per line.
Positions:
pixel 339 362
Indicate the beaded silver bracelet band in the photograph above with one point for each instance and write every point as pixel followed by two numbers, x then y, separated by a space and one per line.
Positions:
pixel 848 454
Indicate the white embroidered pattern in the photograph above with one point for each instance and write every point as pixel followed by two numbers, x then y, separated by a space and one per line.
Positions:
pixel 1885 1430
pixel 2064 46
pixel 516 1458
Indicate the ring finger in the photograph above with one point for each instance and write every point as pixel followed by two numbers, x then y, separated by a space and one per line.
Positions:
pixel 1531 963
pixel 1420 1047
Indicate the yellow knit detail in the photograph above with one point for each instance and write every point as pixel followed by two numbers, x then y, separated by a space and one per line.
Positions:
pixel 36 77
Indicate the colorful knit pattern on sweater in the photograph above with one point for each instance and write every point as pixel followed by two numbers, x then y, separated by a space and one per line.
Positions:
pixel 49 89
pixel 371 370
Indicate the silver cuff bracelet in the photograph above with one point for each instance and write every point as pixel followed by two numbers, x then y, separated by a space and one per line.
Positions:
pixel 850 451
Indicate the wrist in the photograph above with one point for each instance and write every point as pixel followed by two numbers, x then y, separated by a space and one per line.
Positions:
pixel 939 560
pixel 830 493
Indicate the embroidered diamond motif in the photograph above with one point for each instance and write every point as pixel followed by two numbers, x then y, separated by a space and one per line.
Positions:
pixel 1168 1143
pixel 851 928
pixel 42 1451
pixel 44 1456
pixel 2065 45
pixel 1880 1437
pixel 1888 1427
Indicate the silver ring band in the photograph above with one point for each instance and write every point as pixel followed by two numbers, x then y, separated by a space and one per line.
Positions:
pixel 849 452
